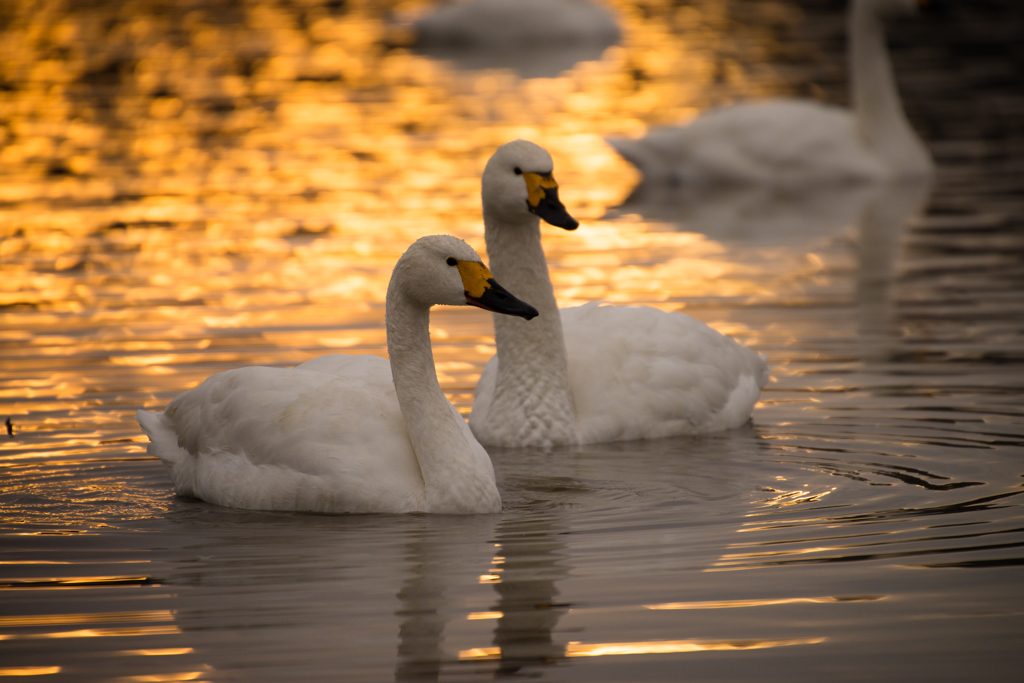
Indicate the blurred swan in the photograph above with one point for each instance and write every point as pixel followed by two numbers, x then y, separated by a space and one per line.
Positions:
pixel 344 433
pixel 592 373
pixel 537 38
pixel 796 143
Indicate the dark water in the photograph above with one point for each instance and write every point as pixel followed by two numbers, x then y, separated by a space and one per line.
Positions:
pixel 866 526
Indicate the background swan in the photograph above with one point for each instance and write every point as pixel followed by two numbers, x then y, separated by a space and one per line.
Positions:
pixel 795 143
pixel 593 373
pixel 536 38
pixel 344 433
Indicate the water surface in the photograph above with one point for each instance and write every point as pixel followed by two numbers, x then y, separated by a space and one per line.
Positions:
pixel 190 187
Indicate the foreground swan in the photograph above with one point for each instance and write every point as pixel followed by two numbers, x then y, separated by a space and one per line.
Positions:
pixel 344 433
pixel 794 143
pixel 592 373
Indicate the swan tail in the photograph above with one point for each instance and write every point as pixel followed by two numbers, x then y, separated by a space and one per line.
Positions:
pixel 163 443
pixel 766 371
pixel 641 154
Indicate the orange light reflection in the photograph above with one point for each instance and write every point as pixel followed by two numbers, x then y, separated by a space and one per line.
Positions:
pixel 577 649
pixel 728 604
pixel 30 671
pixel 200 210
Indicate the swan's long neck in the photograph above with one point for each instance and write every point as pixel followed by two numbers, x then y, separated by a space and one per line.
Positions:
pixel 532 395
pixel 456 477
pixel 875 98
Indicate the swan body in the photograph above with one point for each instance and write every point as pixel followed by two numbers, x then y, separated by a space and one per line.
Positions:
pixel 788 142
pixel 518 23
pixel 636 372
pixel 536 38
pixel 593 373
pixel 796 143
pixel 343 433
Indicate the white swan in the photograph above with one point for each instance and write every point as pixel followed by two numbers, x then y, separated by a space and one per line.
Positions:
pixel 518 23
pixel 344 433
pixel 795 143
pixel 593 373
pixel 538 38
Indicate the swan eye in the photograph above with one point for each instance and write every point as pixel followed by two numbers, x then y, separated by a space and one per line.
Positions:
pixel 518 170
pixel 451 261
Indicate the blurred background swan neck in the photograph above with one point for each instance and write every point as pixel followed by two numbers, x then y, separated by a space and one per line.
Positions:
pixel 875 98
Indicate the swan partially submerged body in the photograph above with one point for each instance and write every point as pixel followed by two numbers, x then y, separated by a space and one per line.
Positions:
pixel 518 24
pixel 793 143
pixel 593 373
pixel 536 38
pixel 344 433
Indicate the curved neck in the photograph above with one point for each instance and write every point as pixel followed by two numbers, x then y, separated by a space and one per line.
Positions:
pixel 875 99
pixel 532 387
pixel 445 456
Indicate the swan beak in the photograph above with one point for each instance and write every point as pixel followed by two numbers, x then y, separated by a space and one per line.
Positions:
pixel 542 199
pixel 483 292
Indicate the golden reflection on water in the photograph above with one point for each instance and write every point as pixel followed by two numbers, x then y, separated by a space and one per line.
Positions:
pixel 475 616
pixel 186 192
pixel 167 678
pixel 99 618
pixel 729 604
pixel 97 633
pixel 72 582
pixel 577 649
pixel 30 671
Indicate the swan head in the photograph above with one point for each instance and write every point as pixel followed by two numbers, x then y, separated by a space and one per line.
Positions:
pixel 518 184
pixel 441 269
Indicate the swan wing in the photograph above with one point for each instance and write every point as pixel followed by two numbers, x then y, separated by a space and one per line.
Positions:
pixel 638 372
pixel 327 435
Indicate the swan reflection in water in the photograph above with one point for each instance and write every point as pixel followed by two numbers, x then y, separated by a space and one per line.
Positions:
pixel 760 217
pixel 882 226
pixel 529 560
pixel 533 559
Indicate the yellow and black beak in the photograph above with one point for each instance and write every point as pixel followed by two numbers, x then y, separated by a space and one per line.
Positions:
pixel 542 199
pixel 483 292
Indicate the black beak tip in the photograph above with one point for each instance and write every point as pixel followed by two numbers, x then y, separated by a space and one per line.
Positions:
pixel 497 299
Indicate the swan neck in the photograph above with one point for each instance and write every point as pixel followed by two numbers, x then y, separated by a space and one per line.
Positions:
pixel 445 456
pixel 517 261
pixel 881 120
pixel 532 360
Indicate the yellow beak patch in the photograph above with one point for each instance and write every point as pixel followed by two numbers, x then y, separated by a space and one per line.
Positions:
pixel 474 277
pixel 535 184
